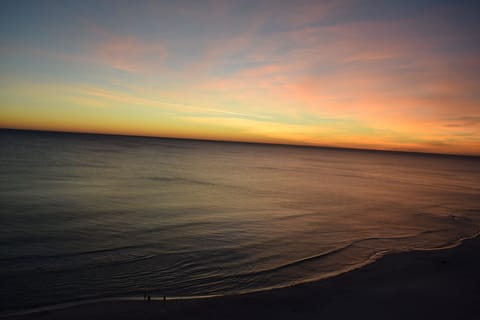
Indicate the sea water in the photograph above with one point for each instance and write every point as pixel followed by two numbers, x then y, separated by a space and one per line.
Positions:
pixel 93 216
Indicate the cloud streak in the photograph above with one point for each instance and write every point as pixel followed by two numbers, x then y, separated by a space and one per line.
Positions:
pixel 403 76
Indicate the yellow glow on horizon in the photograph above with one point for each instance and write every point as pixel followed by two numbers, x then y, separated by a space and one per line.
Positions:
pixel 318 78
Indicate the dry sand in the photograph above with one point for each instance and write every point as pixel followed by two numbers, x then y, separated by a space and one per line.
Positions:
pixel 442 284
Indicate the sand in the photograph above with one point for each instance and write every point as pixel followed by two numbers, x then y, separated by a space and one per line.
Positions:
pixel 443 284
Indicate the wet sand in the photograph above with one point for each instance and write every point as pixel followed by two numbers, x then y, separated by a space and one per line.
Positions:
pixel 443 284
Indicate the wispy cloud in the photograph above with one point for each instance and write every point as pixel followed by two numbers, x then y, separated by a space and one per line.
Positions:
pixel 338 72
pixel 180 108
pixel 129 53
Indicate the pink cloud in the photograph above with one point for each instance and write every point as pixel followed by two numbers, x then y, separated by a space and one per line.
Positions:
pixel 125 52
pixel 311 12
pixel 120 52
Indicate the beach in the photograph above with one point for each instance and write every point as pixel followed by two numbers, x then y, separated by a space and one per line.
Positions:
pixel 441 284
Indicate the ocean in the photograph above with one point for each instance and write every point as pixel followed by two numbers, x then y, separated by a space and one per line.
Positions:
pixel 86 216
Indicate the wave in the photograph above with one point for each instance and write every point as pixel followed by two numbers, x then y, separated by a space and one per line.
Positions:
pixel 372 258
pixel 183 180
pixel 330 252
pixel 71 254
pixel 298 262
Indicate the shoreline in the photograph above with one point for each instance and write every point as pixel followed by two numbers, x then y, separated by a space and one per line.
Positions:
pixel 442 283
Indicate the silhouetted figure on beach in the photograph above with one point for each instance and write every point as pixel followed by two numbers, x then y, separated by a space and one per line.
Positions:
pixel 148 297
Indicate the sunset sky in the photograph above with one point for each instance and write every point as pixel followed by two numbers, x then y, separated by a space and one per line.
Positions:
pixel 395 75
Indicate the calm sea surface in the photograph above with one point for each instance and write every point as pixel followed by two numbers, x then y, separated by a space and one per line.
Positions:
pixel 92 216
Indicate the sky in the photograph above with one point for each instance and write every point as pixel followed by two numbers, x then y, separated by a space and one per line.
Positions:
pixel 389 75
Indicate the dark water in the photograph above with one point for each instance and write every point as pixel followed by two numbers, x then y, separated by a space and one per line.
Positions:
pixel 90 216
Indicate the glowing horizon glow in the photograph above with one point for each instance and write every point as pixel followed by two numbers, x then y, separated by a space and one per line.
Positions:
pixel 380 75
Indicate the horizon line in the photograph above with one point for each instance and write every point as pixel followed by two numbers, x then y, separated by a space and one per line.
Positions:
pixel 244 142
